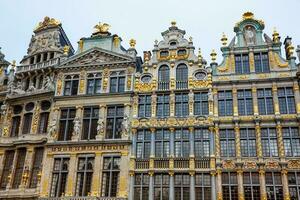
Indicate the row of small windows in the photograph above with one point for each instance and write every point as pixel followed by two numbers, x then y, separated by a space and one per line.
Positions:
pixel 261 62
pixel 286 101
pixel 166 53
pixel 269 142
pixel 84 176
pixel 41 57
pixel 22 118
pixel 114 119
pixel 203 186
pixel 94 83
pixel 181 105
pixel 18 161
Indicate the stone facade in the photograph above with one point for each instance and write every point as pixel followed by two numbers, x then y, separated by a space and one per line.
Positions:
pixel 102 123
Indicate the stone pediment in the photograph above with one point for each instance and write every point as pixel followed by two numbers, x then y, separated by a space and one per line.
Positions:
pixel 96 56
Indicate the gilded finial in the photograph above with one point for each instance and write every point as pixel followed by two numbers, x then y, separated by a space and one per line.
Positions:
pixel 13 64
pixel 248 15
pixel 101 28
pixel 66 50
pixel 200 57
pixel 132 43
pixel 173 23
pixel 224 39
pixel 80 45
pixel 116 40
pixel 213 55
pixel 290 50
pixel 276 37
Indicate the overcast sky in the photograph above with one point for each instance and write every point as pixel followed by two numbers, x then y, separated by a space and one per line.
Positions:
pixel 204 20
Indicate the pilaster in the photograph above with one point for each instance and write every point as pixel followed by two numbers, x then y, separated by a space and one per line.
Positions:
pixel 192 186
pixel 215 102
pixel 240 184
pixel 217 141
pixel 153 104
pixel 258 140
pixel 192 145
pixel 237 140
pixel 95 188
pixel 71 182
pixel 124 179
pixel 101 122
pixel 171 190
pixel 235 102
pixel 48 163
pixel 275 98
pixel 280 140
pixel 255 102
pixel 172 104
pixel 219 184
pixel 151 185
pixel 191 103
pixel 262 181
pixel 285 184
pixel 297 96
pixel 35 119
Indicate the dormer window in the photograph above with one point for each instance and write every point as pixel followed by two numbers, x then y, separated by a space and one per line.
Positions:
pixel 164 54
pixel 173 43
pixel 242 64
pixel 181 52
pixel 261 61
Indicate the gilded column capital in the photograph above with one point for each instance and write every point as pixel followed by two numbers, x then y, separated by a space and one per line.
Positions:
pixel 151 173
pixel 133 130
pixel 284 171
pixel 172 129
pixel 261 172
pixel 192 173
pixel 274 87
pixel 152 129
pixel 171 173
pixel 239 171
pixel 234 90
pixel 191 129
pixel 79 107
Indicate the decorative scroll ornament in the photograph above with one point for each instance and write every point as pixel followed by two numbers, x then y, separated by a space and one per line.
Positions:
pixel 53 129
pixel 272 164
pixel 250 165
pixel 294 164
pixel 228 164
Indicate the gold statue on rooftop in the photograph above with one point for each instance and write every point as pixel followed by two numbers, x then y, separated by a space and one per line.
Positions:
pixel 48 22
pixel 101 28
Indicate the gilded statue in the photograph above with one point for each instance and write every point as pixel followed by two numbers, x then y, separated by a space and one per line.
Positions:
pixel 101 28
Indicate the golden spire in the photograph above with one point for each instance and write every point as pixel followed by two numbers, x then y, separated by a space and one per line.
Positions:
pixel 132 43
pixel 200 58
pixel 66 50
pixel 224 39
pixel 173 23
pixel 213 55
pixel 275 35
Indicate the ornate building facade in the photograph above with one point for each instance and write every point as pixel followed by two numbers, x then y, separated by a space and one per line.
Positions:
pixel 102 123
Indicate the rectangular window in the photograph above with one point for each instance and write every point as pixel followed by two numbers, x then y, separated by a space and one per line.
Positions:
pixel 265 101
pixel 248 142
pixel 84 175
pixel 274 186
pixel 141 186
pixel 71 85
pixel 161 187
pixel 225 106
pixel 110 176
pixel 242 64
pixel 286 100
pixel 94 84
pixel 202 140
pixel 43 123
pixel 291 141
pixel 162 143
pixel 181 105
pixel 182 142
pixel 269 142
pixel 182 186
pixel 21 154
pixel 251 186
pixel 59 177
pixel 115 116
pixel 90 123
pixel 294 185
pixel 227 142
pixel 117 83
pixel 201 103
pixel 163 105
pixel 245 102
pixel 143 144
pixel 203 186
pixel 8 162
pixel 15 126
pixel 27 123
pixel 229 186
pixel 145 106
pixel 261 61
pixel 66 124
pixel 37 166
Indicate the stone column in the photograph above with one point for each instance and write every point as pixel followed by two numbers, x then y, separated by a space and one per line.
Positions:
pixel 297 96
pixel 123 175
pixel 172 138
pixel 215 104
pixel 192 186
pixel 152 144
pixel 133 145
pixel 191 103
pixel 11 176
pixel 285 183
pixel 217 141
pixel 126 122
pixel 172 189
pixel 192 144
pixel 237 141
pixel 258 140
pixel 235 102
pixel 153 104
pixel 151 185
pixel 27 167
pixel 71 181
pixel 262 181
pixel 131 186
pixel 213 185
pixel 240 184
pixel 96 183
pixel 48 163
pixel 280 140
pixel 2 155
pixel 219 184
pixel 35 119
pixel 255 102
pixel 135 105
pixel 172 104
pixel 251 60
pixel 101 123
pixel 275 99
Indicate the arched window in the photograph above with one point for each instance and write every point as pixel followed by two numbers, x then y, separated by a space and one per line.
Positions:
pixel 181 76
pixel 163 77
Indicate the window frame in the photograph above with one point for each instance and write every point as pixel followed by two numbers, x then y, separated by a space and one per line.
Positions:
pixel 115 117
